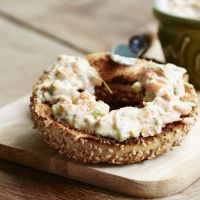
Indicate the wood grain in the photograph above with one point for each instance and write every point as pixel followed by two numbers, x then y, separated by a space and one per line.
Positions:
pixel 90 25
pixel 163 176
pixel 19 182
pixel 24 55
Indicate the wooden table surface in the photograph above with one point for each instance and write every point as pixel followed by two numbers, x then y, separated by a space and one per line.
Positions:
pixel 32 34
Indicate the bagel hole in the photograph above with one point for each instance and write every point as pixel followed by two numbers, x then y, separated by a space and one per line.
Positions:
pixel 122 96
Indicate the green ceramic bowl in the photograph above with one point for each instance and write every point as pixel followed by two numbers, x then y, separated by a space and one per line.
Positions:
pixel 180 40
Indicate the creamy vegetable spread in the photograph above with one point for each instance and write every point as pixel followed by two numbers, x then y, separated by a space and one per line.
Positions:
pixel 69 87
pixel 184 8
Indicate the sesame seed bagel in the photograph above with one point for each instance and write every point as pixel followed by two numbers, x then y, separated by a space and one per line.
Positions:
pixel 91 148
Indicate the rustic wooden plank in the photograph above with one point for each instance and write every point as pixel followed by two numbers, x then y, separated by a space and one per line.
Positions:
pixel 165 175
pixel 91 25
pixel 23 57
pixel 22 183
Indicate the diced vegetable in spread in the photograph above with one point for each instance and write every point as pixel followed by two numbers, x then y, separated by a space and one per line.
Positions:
pixel 137 87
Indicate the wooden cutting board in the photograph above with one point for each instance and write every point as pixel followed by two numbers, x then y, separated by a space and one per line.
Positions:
pixel 163 176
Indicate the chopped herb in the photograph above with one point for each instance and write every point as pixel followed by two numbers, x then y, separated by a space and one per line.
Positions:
pixel 46 96
pixel 63 119
pixel 54 87
pixel 107 87
pixel 132 134
pixel 90 105
pixel 74 100
pixel 176 91
pixel 156 121
pixel 59 74
pixel 137 87
pixel 149 97
pixel 97 113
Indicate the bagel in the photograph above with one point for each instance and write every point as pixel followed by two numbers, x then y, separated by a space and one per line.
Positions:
pixel 114 87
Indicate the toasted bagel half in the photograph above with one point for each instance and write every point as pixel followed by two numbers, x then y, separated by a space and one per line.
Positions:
pixel 90 148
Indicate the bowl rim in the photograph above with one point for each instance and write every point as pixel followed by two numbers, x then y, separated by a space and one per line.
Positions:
pixel 172 19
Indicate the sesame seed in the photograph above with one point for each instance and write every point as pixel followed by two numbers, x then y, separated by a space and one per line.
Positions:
pixel 148 142
pixel 122 147
pixel 147 152
pixel 112 161
pixel 139 155
pixel 134 152
pixel 87 152
pixel 91 153
pixel 110 150
pixel 108 156
pixel 99 150
pixel 90 158
pixel 159 149
pixel 95 147
pixel 144 144
pixel 97 158
pixel 130 155
pixel 82 141
pixel 140 152
pixel 74 149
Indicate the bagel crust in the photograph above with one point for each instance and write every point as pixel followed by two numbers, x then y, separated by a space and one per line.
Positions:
pixel 91 148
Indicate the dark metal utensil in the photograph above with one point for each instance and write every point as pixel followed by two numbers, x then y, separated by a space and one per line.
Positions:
pixel 127 54
pixel 140 43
